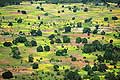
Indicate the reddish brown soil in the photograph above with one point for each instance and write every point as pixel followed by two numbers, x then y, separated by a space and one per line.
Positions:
pixel 15 13
pixel 77 35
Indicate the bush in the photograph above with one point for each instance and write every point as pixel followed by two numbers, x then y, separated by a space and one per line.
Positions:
pixel 87 68
pixel 39 33
pixel 70 75
pixel 51 36
pixel 86 30
pixel 114 18
pixel 35 66
pixel 10 24
pixel 56 68
pixel 106 19
pixel 84 40
pixel 15 53
pixel 60 53
pixel 79 24
pixel 7 75
pixel 51 42
pixel 85 9
pixel 37 7
pixel 27 44
pixel 40 49
pixel 88 48
pixel 78 40
pixel 68 29
pixel 38 17
pixel 95 31
pixel 66 39
pixel 19 20
pixel 73 59
pixel 5 33
pixel 73 18
pixel 58 11
pixel 33 43
pixel 36 32
pixel 47 48
pixel 7 44
pixel 30 58
pixel 46 14
pixel 103 33
pixel 20 39
pixel 23 12
pixel 58 40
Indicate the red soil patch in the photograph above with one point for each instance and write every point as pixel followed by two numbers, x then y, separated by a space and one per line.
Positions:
pixel 4 62
pixel 77 64
pixel 77 35
pixel 47 30
pixel 15 13
pixel 21 70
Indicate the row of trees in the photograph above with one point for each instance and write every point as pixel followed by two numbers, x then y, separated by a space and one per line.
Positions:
pixel 9 2
pixel 83 1
pixel 40 48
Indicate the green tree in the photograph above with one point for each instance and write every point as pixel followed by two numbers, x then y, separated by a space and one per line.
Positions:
pixel 30 58
pixel 68 29
pixel 78 40
pixel 35 66
pixel 110 76
pixel 66 39
pixel 40 49
pixel 84 40
pixel 95 77
pixel 72 76
pixel 7 44
pixel 87 67
pixel 15 52
pixel 47 48
pixel 86 30
pixel 33 43
pixel 7 75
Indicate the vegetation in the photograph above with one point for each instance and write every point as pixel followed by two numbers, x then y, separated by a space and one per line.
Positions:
pixel 59 39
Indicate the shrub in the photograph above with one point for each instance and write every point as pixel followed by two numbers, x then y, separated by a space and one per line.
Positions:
pixel 30 58
pixel 51 42
pixel 84 40
pixel 60 53
pixel 10 24
pixel 7 75
pixel 15 53
pixel 66 39
pixel 7 44
pixel 68 29
pixel 79 24
pixel 85 9
pixel 95 31
pixel 19 20
pixel 58 40
pixel 78 40
pixel 47 48
pixel 56 68
pixel 73 59
pixel 35 65
pixel 23 12
pixel 87 68
pixel 27 44
pixel 106 19
pixel 40 49
pixel 103 33
pixel 86 30
pixel 33 43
